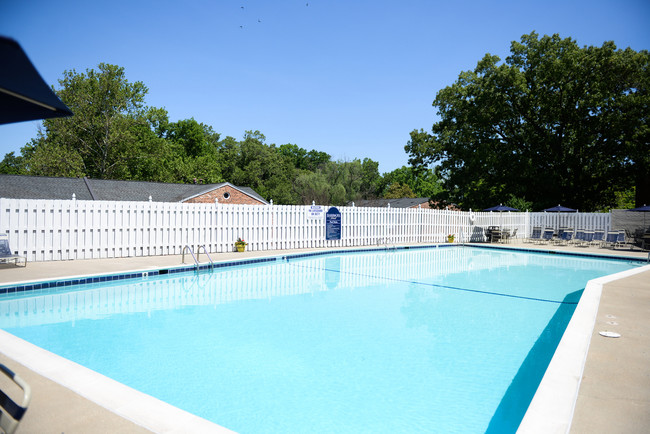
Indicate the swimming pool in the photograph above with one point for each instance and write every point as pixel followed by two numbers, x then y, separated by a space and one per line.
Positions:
pixel 393 341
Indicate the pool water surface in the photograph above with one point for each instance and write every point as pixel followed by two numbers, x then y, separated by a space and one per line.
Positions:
pixel 435 340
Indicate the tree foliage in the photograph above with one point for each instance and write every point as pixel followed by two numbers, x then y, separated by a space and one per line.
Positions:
pixel 421 182
pixel 101 133
pixel 555 123
pixel 398 190
pixel 115 135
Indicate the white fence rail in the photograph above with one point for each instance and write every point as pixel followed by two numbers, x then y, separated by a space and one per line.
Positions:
pixel 581 220
pixel 49 230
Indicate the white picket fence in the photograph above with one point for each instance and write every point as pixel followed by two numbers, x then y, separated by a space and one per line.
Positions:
pixel 49 230
pixel 580 220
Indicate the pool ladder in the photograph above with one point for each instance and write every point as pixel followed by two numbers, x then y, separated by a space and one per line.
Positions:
pixel 387 242
pixel 198 254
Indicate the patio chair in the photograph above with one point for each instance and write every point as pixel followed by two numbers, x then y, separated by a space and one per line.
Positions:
pixel 566 237
pixel 579 237
pixel 609 240
pixel 10 412
pixel 598 237
pixel 587 237
pixel 535 235
pixel 547 235
pixel 621 240
pixel 5 252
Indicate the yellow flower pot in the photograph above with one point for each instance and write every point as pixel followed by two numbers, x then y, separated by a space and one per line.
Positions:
pixel 240 247
pixel 450 239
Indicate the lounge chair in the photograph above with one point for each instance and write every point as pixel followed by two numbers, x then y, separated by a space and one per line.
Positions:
pixel 10 412
pixel 547 235
pixel 598 237
pixel 621 240
pixel 535 235
pixel 566 237
pixel 587 238
pixel 6 254
pixel 610 238
pixel 579 237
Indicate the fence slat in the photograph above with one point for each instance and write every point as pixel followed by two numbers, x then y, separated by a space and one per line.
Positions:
pixel 46 230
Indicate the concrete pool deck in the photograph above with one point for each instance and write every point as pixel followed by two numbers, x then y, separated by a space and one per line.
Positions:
pixel 614 394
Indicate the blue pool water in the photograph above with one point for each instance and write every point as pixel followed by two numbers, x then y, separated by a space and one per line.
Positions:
pixel 429 340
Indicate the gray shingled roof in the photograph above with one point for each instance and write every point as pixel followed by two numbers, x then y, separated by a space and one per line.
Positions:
pixel 43 187
pixel 405 202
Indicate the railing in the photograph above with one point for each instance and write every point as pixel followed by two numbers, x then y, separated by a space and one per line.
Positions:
pixel 48 230
pixel 198 253
pixel 186 249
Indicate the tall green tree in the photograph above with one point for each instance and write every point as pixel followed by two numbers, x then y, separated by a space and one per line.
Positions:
pixel 195 151
pixel 106 108
pixel 253 163
pixel 302 159
pixel 345 179
pixel 111 135
pixel 422 182
pixel 312 187
pixel 555 123
pixel 397 190
pixel 370 179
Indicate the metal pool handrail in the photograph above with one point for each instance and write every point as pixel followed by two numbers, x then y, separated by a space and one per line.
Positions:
pixel 198 254
pixel 187 247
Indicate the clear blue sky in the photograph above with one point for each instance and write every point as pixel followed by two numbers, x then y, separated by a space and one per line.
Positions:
pixel 350 78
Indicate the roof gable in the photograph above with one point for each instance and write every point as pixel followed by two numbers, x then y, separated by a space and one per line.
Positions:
pixel 245 190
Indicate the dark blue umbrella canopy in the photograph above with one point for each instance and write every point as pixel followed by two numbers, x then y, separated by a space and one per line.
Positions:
pixel 560 208
pixel 24 96
pixel 644 208
pixel 501 207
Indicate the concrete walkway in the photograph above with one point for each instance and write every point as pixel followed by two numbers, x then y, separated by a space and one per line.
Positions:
pixel 614 395
pixel 615 390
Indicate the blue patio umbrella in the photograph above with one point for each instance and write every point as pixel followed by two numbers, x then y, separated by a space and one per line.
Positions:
pixel 24 96
pixel 560 208
pixel 501 207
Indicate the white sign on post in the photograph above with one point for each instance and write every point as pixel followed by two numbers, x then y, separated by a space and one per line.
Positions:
pixel 315 212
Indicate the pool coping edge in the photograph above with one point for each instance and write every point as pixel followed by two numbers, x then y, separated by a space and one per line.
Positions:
pixel 138 407
pixel 553 405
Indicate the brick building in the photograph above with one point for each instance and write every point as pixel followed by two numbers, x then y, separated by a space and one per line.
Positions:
pixel 228 193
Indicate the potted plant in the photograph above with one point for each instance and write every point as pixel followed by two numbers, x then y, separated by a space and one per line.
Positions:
pixel 240 245
pixel 450 238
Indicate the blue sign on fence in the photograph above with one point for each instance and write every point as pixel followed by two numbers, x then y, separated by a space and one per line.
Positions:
pixel 333 224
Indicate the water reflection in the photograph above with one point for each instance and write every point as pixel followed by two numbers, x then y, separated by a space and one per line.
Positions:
pixel 419 268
